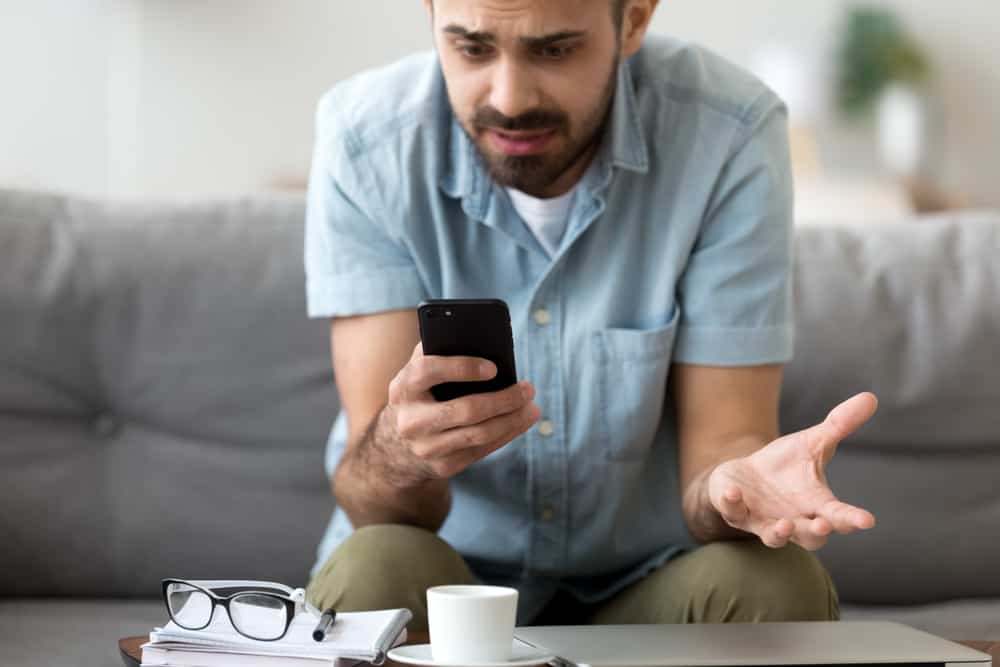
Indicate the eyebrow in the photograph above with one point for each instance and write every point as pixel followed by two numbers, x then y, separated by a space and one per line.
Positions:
pixel 475 36
pixel 545 40
pixel 530 42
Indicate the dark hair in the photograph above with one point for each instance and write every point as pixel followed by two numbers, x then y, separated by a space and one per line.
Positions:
pixel 618 12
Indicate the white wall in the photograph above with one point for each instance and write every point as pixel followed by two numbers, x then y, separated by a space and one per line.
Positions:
pixel 53 94
pixel 228 88
pixel 961 36
pixel 192 97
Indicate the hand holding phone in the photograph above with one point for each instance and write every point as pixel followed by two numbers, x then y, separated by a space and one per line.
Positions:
pixel 435 440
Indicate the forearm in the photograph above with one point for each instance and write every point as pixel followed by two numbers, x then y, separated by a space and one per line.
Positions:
pixel 373 491
pixel 703 520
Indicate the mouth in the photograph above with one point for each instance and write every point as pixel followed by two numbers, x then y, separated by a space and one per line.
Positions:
pixel 520 143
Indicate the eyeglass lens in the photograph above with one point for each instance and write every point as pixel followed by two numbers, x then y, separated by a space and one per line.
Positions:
pixel 254 614
pixel 258 616
pixel 189 607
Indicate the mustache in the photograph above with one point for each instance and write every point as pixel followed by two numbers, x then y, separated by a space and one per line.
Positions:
pixel 536 119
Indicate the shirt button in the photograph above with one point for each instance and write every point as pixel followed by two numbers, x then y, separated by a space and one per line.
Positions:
pixel 546 428
pixel 548 513
pixel 542 317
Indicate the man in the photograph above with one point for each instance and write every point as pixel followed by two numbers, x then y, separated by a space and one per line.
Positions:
pixel 629 196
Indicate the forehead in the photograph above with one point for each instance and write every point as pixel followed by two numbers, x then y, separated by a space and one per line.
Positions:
pixel 522 17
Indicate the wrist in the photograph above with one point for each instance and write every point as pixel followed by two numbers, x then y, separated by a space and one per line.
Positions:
pixel 386 461
pixel 695 503
pixel 704 522
pixel 374 488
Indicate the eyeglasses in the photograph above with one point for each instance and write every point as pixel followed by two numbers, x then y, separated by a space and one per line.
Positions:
pixel 260 610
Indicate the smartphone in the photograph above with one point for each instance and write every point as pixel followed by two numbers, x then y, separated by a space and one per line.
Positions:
pixel 469 328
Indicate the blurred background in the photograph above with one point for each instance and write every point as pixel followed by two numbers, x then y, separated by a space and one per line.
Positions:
pixel 894 104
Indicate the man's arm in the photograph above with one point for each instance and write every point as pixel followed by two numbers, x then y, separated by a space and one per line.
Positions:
pixel 738 477
pixel 368 351
pixel 722 414
pixel 403 446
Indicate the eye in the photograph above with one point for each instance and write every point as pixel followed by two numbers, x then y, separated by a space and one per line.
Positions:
pixel 556 52
pixel 473 50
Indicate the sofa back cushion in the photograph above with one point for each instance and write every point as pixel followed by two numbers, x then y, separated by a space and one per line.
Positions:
pixel 163 398
pixel 911 312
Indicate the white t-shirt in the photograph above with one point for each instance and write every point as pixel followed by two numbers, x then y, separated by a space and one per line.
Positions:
pixel 546 218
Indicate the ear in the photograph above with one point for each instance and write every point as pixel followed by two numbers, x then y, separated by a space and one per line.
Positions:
pixel 635 22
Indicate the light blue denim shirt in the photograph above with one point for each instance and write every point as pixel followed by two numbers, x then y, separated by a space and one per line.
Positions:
pixel 678 249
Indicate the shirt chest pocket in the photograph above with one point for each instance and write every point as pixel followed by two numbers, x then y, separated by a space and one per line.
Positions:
pixel 632 367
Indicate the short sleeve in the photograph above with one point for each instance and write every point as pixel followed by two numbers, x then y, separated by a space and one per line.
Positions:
pixel 354 264
pixel 735 293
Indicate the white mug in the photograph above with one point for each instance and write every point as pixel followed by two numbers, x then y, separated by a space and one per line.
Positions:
pixel 471 624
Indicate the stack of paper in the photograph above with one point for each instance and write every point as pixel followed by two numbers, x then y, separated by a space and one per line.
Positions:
pixel 354 637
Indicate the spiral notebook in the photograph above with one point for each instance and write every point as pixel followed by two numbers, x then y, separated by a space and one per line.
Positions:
pixel 355 636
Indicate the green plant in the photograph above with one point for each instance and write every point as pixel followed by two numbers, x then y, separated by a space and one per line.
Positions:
pixel 875 52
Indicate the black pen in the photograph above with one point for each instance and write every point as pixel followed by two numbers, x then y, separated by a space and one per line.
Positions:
pixel 325 622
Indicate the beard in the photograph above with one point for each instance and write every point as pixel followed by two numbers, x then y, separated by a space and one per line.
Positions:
pixel 535 173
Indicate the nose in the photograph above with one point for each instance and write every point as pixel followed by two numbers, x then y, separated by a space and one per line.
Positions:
pixel 513 90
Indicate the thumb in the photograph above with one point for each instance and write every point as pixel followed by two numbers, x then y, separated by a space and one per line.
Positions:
pixel 842 421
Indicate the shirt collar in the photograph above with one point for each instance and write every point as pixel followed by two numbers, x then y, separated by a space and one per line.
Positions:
pixel 626 136
pixel 624 145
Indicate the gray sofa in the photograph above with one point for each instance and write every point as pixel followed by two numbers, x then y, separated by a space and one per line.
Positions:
pixel 164 404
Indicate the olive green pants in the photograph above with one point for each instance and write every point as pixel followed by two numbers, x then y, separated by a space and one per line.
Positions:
pixel 383 567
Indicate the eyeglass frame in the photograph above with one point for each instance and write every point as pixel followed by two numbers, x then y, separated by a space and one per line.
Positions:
pixel 291 600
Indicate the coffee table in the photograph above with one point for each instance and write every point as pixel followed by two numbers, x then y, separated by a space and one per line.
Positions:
pixel 132 654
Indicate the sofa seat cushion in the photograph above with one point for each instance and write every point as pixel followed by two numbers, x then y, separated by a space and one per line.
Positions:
pixel 956 619
pixel 72 633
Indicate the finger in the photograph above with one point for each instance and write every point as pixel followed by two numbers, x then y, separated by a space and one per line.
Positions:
pixel 425 418
pixel 842 421
pixel 820 526
pixel 402 387
pixel 846 518
pixel 732 508
pixel 426 372
pixel 776 534
pixel 399 388
pixel 504 428
pixel 811 534
pixel 455 463
pixel 477 408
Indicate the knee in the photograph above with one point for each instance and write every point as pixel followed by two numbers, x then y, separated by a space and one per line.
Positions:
pixel 386 550
pixel 747 581
pixel 387 566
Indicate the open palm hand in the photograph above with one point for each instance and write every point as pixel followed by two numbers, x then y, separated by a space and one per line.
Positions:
pixel 780 492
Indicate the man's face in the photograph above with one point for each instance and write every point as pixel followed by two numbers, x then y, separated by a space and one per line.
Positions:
pixel 530 82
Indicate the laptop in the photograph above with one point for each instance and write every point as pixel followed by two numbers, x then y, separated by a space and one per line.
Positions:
pixel 749 645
